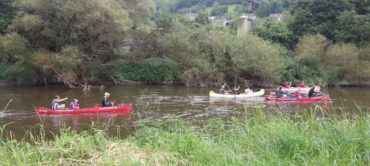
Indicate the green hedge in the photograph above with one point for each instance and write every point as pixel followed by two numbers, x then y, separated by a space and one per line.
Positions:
pixel 148 70
pixel 14 73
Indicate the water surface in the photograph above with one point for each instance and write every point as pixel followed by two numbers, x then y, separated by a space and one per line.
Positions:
pixel 150 104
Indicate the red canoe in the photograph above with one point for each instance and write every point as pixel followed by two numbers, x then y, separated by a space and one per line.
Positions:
pixel 319 98
pixel 126 108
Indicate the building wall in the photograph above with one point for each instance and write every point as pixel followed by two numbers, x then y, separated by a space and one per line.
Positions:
pixel 244 25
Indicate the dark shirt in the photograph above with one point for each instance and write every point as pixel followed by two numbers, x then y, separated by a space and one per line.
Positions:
pixel 235 91
pixel 311 93
pixel 279 93
pixel 106 103
pixel 222 91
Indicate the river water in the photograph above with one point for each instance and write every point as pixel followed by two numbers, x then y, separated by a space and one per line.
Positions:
pixel 150 104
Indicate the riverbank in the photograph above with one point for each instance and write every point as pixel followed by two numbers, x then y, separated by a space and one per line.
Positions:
pixel 255 139
pixel 172 83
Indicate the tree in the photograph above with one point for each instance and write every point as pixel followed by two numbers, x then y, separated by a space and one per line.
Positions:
pixel 275 32
pixel 202 18
pixel 257 59
pixel 218 10
pixel 353 28
pixel 14 49
pixel 165 21
pixel 6 15
pixel 362 7
pixel 140 12
pixel 266 7
pixel 164 6
pixel 317 16
pixel 68 34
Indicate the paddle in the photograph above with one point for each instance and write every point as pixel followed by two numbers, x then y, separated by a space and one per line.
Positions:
pixel 7 105
pixel 99 105
pixel 229 88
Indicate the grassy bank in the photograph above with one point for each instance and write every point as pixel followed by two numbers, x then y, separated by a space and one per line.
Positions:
pixel 255 139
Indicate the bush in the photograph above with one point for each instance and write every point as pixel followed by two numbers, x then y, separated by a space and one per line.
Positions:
pixel 312 74
pixel 96 72
pixel 14 73
pixel 219 10
pixel 149 70
pixel 257 59
pixel 159 69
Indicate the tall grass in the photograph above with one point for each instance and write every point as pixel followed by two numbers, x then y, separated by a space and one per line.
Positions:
pixel 316 138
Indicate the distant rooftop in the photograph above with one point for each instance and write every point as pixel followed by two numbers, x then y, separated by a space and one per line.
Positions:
pixel 276 16
pixel 191 16
pixel 221 21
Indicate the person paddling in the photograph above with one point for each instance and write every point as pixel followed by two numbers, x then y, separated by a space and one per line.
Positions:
pixel 222 90
pixel 247 90
pixel 235 90
pixel 301 85
pixel 280 93
pixel 312 92
pixel 297 93
pixel 55 103
pixel 287 85
pixel 105 102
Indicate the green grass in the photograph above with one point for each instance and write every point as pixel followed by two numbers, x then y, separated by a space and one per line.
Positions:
pixel 253 139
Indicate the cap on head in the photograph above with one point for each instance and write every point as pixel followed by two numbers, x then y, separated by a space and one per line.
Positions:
pixel 106 94
pixel 75 100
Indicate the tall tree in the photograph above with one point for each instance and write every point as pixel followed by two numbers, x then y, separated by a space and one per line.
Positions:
pixel 338 20
pixel 353 28
pixel 275 32
pixel 140 12
pixel 202 18
pixel 67 34
pixel 317 16
pixel 6 14
pixel 266 7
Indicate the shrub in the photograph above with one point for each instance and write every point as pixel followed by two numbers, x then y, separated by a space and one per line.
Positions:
pixel 149 70
pixel 14 73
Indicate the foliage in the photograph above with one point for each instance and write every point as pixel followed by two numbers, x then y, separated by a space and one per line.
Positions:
pixel 362 7
pixel 140 12
pixel 71 42
pixel 218 10
pixel 6 15
pixel 256 59
pixel 353 28
pixel 164 6
pixel 275 32
pixel 14 48
pixel 210 55
pixel 256 138
pixel 318 61
pixel 165 21
pixel 266 7
pixel 63 35
pixel 150 70
pixel 15 73
pixel 337 20
pixel 260 139
pixel 347 57
pixel 202 18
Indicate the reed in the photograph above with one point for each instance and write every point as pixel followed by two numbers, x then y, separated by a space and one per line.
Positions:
pixel 256 138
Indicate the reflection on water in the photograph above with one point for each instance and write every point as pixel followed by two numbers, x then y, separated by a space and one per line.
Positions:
pixel 151 103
